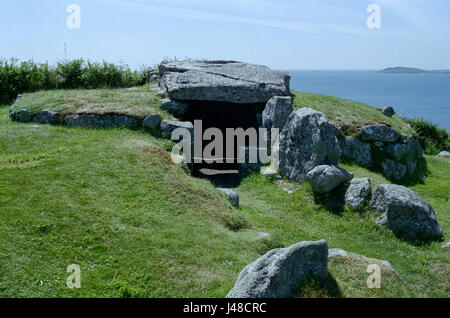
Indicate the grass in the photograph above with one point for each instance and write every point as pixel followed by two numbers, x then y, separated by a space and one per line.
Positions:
pixel 113 202
pixel 349 115
pixel 138 101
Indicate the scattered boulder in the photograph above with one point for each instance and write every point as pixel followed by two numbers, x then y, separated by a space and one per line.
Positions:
pixel 277 112
pixel 222 81
pixel 408 215
pixel 23 116
pixel 325 178
pixel 358 193
pixel 388 111
pixel 175 108
pixel 306 142
pixel 281 273
pixel 379 132
pixel 358 151
pixel 393 170
pixel 339 253
pixel 232 195
pixel 152 123
pixel 168 126
pixel 335 253
pixel 47 117
pixel 444 154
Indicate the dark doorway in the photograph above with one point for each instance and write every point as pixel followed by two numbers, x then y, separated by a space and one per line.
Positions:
pixel 222 115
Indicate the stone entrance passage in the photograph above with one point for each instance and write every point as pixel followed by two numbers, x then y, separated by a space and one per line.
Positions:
pixel 223 94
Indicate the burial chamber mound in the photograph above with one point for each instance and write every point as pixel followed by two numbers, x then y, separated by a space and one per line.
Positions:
pixel 222 94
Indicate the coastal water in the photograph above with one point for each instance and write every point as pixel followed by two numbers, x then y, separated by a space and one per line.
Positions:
pixel 411 95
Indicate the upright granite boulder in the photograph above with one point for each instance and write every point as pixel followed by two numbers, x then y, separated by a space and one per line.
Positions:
pixel 358 193
pixel 277 112
pixel 307 141
pixel 282 272
pixel 405 213
pixel 222 81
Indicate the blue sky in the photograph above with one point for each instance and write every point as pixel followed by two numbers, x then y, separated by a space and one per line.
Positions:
pixel 283 34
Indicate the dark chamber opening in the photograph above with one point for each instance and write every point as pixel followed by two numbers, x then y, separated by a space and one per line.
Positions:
pixel 222 115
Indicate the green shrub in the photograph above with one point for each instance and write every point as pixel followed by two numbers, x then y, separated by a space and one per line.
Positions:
pixel 431 137
pixel 17 78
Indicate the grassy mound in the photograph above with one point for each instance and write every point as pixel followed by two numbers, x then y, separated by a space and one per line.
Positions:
pixel 137 101
pixel 113 202
pixel 349 115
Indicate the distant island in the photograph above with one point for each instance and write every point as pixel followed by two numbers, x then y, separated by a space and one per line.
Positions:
pixel 409 70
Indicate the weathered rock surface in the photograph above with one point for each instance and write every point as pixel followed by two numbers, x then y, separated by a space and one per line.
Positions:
pixel 444 154
pixel 152 123
pixel 335 253
pixel 358 151
pixel 277 112
pixel 23 116
pixel 306 142
pixel 281 272
pixel 379 132
pixel 325 178
pixel 358 193
pixel 102 121
pixel 232 196
pixel 388 111
pixel 222 81
pixel 47 117
pixel 168 126
pixel 175 108
pixel 408 215
pixel 393 170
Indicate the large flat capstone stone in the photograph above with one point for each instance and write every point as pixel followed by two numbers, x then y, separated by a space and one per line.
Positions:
pixel 222 81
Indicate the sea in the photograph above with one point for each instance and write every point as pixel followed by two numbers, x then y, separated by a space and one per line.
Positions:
pixel 424 95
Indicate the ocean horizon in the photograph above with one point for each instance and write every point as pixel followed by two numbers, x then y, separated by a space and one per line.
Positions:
pixel 424 95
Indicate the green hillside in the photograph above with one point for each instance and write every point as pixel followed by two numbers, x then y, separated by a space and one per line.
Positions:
pixel 113 202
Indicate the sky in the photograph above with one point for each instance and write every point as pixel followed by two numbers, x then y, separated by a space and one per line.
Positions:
pixel 282 34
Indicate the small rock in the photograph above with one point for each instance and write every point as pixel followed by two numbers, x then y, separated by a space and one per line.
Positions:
pixel 325 178
pixel 444 154
pixel 232 195
pixel 175 108
pixel 281 273
pixel 168 126
pixel 152 123
pixel 446 246
pixel 378 132
pixel 335 253
pixel 358 192
pixel 405 213
pixel 388 111
pixel 393 170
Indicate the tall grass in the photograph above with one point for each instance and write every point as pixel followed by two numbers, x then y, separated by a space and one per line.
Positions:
pixel 431 137
pixel 20 77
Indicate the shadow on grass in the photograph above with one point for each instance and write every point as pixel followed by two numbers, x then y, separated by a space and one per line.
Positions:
pixel 334 201
pixel 321 288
